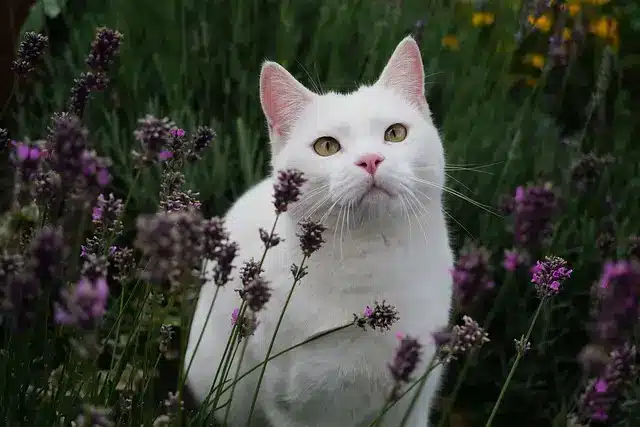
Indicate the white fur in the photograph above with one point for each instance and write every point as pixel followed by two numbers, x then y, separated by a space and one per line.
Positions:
pixel 378 247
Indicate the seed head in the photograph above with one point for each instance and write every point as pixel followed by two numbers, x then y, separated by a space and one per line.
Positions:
pixel 181 201
pixel 472 275
pixel 548 275
pixel 617 302
pixel 311 237
pixel 30 54
pixel 104 49
pixel 382 316
pixel 67 142
pixel 287 189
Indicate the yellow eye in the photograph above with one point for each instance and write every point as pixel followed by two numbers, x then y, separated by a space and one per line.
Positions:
pixel 395 133
pixel 326 146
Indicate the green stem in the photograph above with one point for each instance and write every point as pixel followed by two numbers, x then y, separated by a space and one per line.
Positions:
pixel 467 363
pixel 273 339
pixel 417 394
pixel 433 363
pixel 235 381
pixel 234 332
pixel 286 350
pixel 521 351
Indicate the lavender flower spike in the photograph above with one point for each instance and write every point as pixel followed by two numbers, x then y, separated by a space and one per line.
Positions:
pixel 84 305
pixel 549 275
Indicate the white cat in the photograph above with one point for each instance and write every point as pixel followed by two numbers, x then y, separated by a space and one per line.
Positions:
pixel 375 165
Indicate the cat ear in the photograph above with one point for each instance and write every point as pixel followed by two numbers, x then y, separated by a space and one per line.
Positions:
pixel 282 97
pixel 405 73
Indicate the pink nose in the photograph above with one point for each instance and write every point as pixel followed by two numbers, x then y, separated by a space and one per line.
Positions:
pixel 370 162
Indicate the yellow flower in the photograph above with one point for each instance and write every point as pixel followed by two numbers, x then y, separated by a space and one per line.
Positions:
pixel 481 19
pixel 530 81
pixel 451 42
pixel 566 34
pixel 535 59
pixel 574 9
pixel 543 22
pixel 607 29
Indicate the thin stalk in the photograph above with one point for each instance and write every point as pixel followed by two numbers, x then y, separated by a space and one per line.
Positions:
pixel 235 382
pixel 293 347
pixel 433 363
pixel 519 355
pixel 416 396
pixel 234 332
pixel 296 280
pixel 467 363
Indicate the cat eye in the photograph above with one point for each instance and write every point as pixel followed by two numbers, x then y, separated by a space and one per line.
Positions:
pixel 326 146
pixel 395 133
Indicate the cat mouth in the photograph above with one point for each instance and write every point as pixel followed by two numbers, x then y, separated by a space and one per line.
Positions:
pixel 374 193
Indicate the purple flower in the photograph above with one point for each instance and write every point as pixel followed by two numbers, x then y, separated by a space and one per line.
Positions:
pixel 165 155
pixel 381 317
pixel 96 213
pixel 113 250
pixel 617 296
pixel 406 359
pixel 234 315
pixel 287 188
pixel 548 275
pixel 472 275
pixel 534 208
pixel 83 251
pixel 84 304
pixel 511 259
pixel 177 132
pixel 154 135
pixel 603 392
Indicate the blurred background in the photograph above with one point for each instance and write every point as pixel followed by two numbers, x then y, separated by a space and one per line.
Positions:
pixel 523 92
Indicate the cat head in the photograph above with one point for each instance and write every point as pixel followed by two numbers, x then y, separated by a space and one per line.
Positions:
pixel 372 150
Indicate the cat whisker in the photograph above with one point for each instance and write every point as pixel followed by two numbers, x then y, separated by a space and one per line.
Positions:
pixel 450 216
pixel 412 205
pixel 455 193
pixel 459 182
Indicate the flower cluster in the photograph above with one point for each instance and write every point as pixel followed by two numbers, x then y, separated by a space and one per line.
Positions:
pixel 617 302
pixel 84 304
pixel 30 54
pixel 311 237
pixel 287 189
pixel 154 136
pixel 603 392
pixel 461 340
pixel 381 316
pixel 247 323
pixel 405 360
pixel 104 49
pixel 549 274
pixel 472 275
pixel 588 169
pixel 533 208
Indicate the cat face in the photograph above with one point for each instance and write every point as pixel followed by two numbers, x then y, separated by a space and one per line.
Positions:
pixel 375 150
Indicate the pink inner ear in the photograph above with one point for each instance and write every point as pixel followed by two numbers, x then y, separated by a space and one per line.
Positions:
pixel 282 97
pixel 405 73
